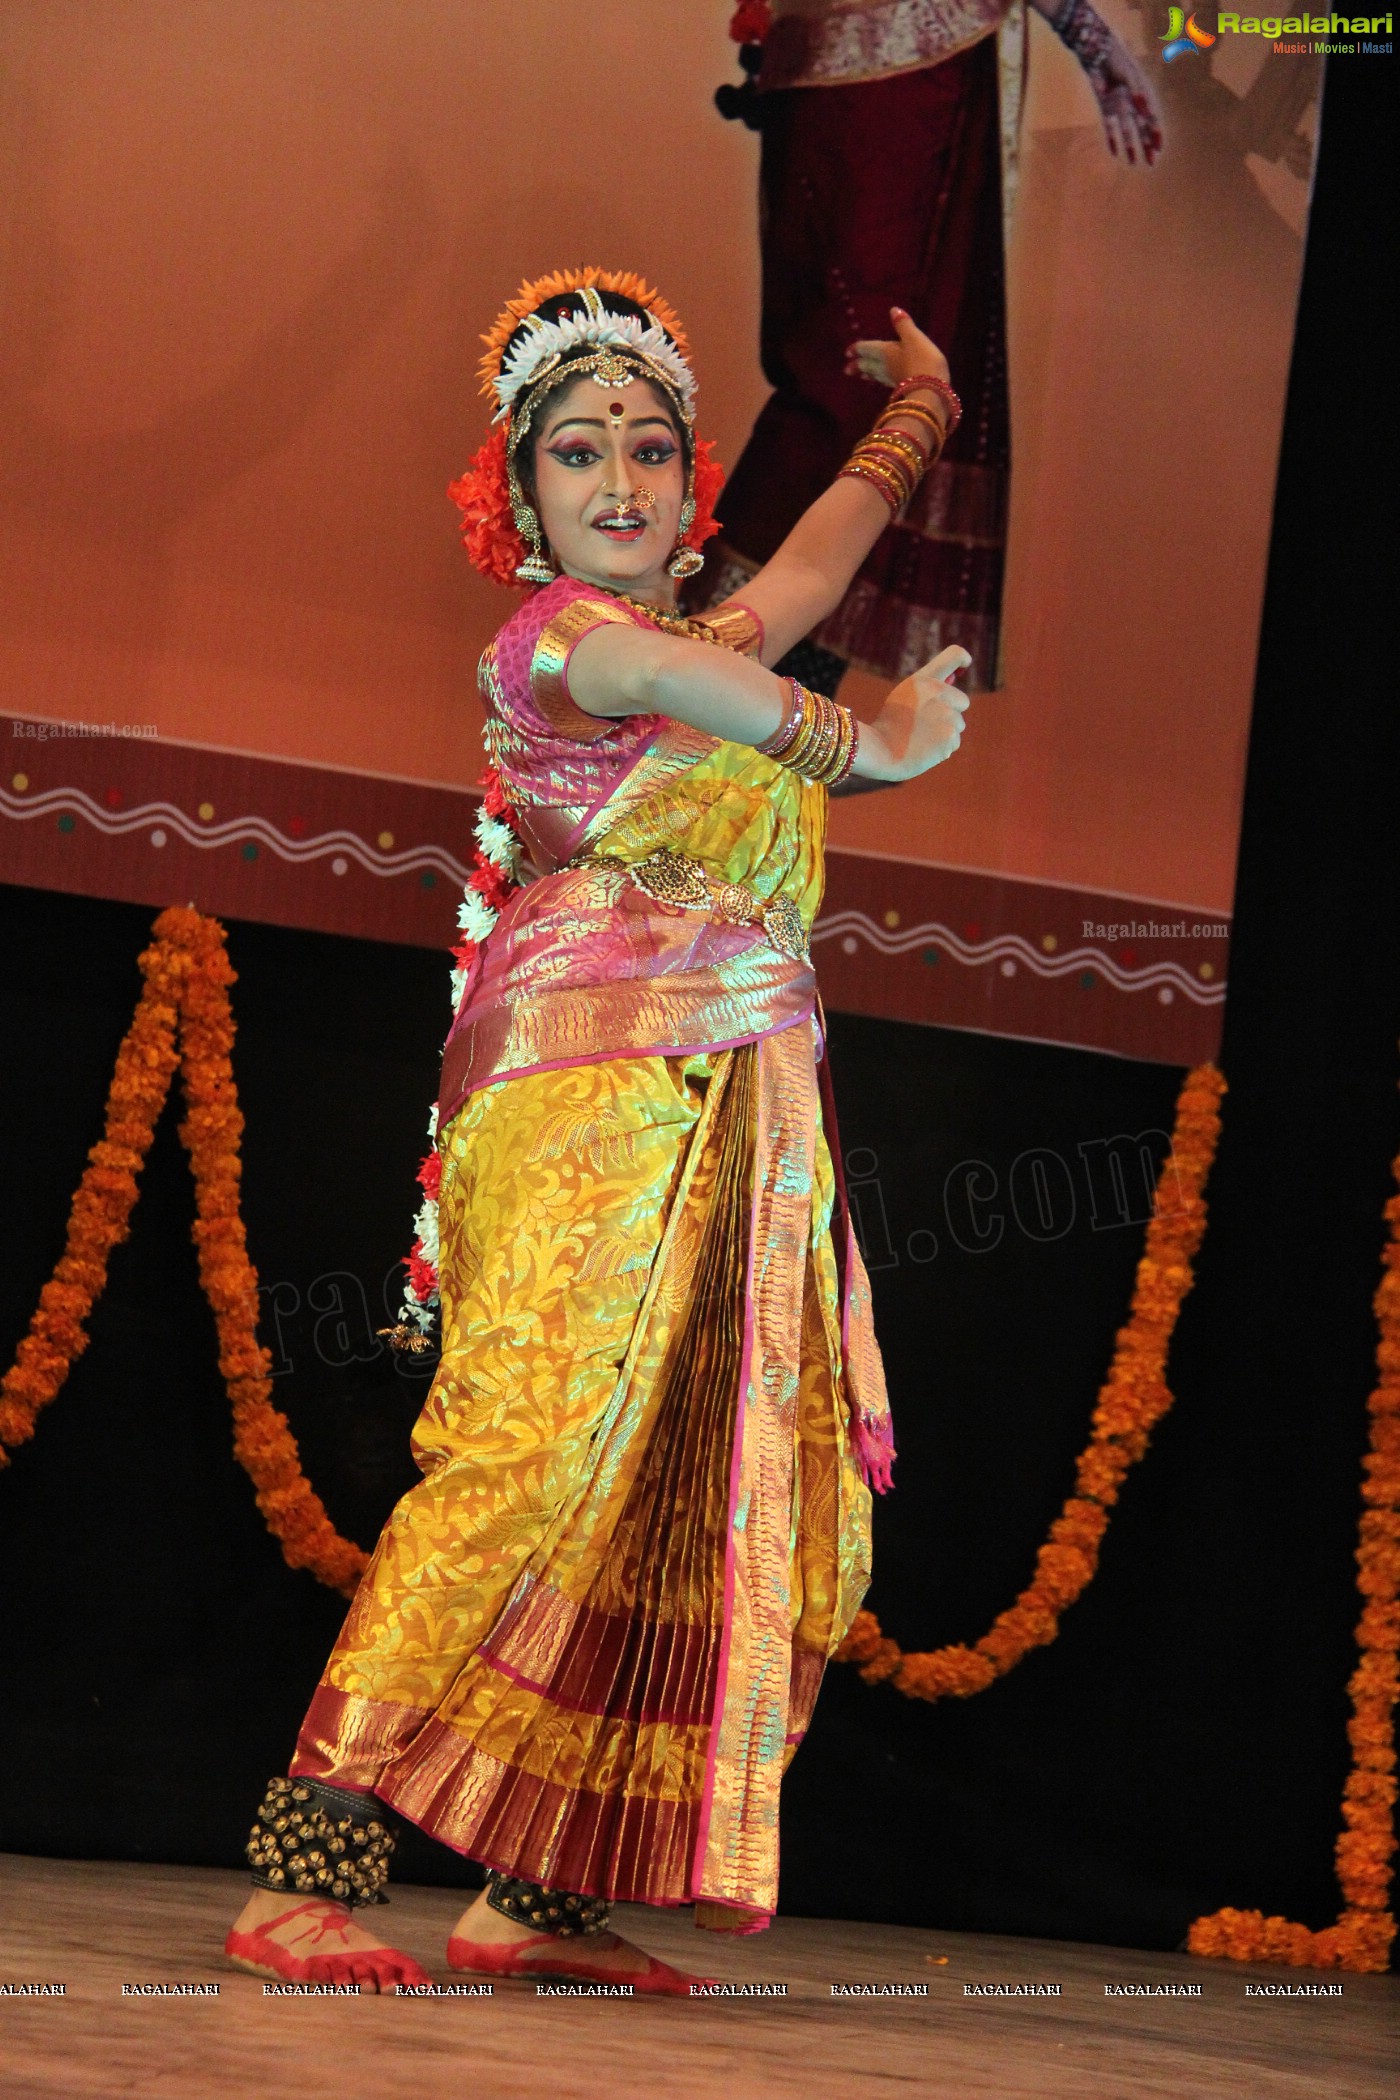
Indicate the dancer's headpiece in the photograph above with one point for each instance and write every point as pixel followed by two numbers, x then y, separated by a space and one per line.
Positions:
pixel 528 354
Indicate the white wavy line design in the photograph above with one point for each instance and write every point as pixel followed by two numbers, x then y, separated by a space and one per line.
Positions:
pixel 235 831
pixel 1013 947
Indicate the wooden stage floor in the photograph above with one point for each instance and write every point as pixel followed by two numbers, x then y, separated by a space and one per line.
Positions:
pixel 96 1927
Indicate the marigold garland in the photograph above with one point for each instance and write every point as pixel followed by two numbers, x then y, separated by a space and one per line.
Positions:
pixel 187 975
pixel 1133 1399
pixel 1362 1936
pixel 101 1214
pixel 186 978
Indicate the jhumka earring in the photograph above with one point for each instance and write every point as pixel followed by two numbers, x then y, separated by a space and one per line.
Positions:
pixel 686 560
pixel 536 567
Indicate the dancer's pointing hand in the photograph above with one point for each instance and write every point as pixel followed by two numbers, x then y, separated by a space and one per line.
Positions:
pixel 911 353
pixel 920 724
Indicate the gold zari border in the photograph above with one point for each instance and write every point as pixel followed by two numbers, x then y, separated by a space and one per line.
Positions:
pixel 549 667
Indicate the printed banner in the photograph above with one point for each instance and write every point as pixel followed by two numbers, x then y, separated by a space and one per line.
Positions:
pixel 249 254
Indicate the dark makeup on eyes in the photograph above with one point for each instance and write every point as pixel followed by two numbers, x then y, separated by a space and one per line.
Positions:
pixel 561 447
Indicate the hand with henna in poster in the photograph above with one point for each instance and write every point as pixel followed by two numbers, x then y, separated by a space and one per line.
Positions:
pixel 1132 121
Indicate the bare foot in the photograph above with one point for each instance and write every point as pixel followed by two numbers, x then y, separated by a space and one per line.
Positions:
pixel 607 1953
pixel 311 1939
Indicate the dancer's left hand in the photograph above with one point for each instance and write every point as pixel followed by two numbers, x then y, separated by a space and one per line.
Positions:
pixel 1132 122
pixel 911 353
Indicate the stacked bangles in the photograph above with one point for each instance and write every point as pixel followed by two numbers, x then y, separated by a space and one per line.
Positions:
pixel 892 461
pixel 817 737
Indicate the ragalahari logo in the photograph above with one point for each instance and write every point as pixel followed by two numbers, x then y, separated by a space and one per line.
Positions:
pixel 1183 34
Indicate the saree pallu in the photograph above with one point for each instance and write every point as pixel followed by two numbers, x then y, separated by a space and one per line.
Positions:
pixel 880 192
pixel 591 1637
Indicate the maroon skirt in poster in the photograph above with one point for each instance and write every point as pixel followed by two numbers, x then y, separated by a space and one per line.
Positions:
pixel 877 194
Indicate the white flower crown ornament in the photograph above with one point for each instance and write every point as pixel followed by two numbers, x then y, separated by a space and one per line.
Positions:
pixel 548 343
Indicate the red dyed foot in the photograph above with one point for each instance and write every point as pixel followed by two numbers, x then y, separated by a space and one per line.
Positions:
pixel 324 1957
pixel 553 1961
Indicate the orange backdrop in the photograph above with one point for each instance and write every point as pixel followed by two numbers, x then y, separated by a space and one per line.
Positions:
pixel 247 254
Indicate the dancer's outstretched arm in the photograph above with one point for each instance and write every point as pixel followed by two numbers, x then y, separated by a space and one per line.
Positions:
pixel 816 564
pixel 617 670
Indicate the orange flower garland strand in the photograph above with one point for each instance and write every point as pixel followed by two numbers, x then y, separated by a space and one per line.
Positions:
pixel 1362 1937
pixel 187 977
pixel 1134 1398
pixel 211 1132
pixel 101 1215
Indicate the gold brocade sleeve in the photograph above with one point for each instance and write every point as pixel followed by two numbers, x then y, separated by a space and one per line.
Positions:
pixel 549 666
pixel 734 627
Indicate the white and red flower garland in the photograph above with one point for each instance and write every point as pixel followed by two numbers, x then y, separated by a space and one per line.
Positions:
pixel 496 871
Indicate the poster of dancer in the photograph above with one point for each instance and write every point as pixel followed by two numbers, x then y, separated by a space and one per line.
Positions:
pixel 225 508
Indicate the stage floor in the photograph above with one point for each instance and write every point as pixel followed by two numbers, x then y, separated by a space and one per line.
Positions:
pixel 96 1927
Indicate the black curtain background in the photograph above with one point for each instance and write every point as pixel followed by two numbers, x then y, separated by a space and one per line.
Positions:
pixel 1182 1744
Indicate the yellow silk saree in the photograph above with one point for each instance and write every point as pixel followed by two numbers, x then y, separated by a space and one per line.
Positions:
pixel 591 1637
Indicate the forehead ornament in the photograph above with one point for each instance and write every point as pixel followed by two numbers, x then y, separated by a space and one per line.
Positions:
pixel 612 370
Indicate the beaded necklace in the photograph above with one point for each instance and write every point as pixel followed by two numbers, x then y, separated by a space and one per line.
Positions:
pixel 674 622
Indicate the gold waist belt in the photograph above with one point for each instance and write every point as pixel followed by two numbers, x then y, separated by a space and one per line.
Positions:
pixel 677 879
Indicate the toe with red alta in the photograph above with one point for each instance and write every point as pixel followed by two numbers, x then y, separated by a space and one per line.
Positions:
pixel 552 1964
pixel 317 1952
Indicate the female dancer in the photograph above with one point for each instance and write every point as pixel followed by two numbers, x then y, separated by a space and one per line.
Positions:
pixel 590 1639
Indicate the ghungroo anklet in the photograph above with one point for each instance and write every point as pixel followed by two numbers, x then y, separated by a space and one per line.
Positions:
pixel 319 1840
pixel 546 1909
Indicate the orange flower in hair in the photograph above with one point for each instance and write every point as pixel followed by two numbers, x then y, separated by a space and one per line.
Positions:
pixel 482 495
